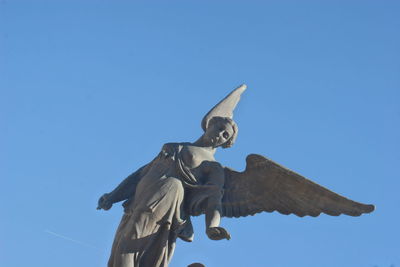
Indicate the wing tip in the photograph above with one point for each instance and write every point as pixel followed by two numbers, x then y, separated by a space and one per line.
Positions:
pixel 369 208
pixel 364 209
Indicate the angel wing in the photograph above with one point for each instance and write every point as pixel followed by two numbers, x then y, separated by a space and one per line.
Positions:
pixel 267 186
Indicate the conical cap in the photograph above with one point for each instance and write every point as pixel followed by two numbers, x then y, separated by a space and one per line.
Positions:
pixel 225 107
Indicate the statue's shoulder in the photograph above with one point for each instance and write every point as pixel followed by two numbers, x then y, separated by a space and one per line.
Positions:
pixel 174 147
pixel 176 144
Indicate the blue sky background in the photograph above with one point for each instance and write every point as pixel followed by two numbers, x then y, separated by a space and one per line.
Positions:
pixel 90 91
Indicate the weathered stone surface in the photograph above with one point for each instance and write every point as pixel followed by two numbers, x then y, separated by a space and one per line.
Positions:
pixel 184 180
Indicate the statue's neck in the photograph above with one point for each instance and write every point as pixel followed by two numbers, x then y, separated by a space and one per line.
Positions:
pixel 201 143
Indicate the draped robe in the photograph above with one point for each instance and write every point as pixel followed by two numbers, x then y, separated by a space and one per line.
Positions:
pixel 159 211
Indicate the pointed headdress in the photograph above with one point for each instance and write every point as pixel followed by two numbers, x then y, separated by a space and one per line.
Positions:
pixel 225 107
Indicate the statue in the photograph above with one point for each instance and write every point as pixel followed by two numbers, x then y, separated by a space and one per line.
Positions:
pixel 185 180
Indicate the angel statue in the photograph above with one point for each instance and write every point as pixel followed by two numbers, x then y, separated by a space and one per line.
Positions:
pixel 185 180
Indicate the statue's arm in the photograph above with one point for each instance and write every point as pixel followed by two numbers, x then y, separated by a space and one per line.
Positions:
pixel 215 173
pixel 123 191
pixel 215 180
pixel 126 189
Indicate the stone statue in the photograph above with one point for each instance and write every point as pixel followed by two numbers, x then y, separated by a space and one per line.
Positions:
pixel 185 180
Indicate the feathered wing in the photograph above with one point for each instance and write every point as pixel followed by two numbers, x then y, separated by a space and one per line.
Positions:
pixel 267 186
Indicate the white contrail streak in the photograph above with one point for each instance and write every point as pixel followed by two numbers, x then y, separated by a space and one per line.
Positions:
pixel 72 240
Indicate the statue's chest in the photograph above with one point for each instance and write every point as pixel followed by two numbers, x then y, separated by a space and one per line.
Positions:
pixel 194 156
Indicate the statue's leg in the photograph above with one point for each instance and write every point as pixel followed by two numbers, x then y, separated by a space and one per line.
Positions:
pixel 114 259
pixel 167 214
pixel 146 237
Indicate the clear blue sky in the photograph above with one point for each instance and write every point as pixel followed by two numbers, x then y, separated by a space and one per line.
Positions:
pixel 90 91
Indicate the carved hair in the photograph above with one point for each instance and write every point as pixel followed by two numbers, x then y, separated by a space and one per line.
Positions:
pixel 229 121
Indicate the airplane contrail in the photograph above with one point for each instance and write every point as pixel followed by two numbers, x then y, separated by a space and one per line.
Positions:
pixel 72 240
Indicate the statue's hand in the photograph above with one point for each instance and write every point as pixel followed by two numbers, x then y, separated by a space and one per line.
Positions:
pixel 217 233
pixel 104 202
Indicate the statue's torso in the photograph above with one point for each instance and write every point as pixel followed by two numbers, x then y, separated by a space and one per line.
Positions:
pixel 198 160
pixel 194 156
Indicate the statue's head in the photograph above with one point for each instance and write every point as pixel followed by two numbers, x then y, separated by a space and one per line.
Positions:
pixel 221 132
pixel 218 125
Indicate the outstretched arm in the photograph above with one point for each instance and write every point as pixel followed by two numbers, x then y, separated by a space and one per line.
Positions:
pixel 126 189
pixel 123 191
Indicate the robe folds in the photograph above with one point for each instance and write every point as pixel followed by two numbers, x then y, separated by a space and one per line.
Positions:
pixel 159 211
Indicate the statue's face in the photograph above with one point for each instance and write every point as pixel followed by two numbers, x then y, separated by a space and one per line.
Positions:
pixel 218 133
